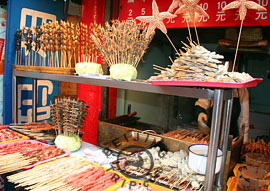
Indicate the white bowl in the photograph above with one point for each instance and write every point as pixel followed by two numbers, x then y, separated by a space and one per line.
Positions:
pixel 198 158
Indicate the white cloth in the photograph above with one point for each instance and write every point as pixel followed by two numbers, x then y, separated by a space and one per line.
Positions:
pixel 97 156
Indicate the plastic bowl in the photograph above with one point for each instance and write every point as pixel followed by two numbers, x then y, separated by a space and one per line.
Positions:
pixel 249 178
pixel 258 160
pixel 198 158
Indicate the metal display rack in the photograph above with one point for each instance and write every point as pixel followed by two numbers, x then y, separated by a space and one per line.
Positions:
pixel 222 99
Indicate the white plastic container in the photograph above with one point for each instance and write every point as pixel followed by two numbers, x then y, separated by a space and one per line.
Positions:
pixel 198 158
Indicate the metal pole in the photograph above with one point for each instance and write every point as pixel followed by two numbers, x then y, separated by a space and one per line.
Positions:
pixel 224 139
pixel 34 100
pixel 15 98
pixel 214 136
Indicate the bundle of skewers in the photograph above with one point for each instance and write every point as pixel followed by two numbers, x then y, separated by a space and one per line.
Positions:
pixel 25 153
pixel 55 45
pixel 69 174
pixel 68 118
pixel 123 45
pixel 167 168
pixel 36 130
pixel 260 146
pixel 189 136
pixel 198 64
pixel 14 161
pixel 68 115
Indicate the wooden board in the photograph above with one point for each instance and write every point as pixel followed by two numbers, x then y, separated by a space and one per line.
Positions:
pixel 43 69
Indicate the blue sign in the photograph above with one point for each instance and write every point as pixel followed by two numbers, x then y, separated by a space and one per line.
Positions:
pixel 14 20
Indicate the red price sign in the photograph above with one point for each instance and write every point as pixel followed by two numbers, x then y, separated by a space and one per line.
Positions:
pixel 2 43
pixel 130 9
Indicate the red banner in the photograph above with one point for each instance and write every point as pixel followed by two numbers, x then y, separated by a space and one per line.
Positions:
pixel 130 9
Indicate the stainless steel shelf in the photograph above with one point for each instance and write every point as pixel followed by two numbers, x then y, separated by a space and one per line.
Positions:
pixel 222 99
pixel 139 85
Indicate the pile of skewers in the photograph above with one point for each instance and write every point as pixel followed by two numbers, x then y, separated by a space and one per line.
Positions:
pixel 259 146
pixel 21 154
pixel 68 115
pixel 199 64
pixel 167 168
pixel 15 161
pixel 69 174
pixel 56 44
pixel 36 130
pixel 189 136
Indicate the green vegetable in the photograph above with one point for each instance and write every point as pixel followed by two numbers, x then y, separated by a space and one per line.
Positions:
pixel 69 143
pixel 123 72
pixel 88 68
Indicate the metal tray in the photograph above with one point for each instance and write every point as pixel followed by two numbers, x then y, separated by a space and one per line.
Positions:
pixel 131 142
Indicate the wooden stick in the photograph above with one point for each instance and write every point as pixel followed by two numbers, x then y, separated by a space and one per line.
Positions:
pixel 159 69
pixel 196 32
pixel 171 59
pixel 237 46
pixel 189 30
pixel 171 43
pixel 159 66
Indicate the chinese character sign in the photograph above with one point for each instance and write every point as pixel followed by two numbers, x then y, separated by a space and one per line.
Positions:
pixel 217 18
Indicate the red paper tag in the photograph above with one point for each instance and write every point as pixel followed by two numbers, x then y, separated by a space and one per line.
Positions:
pixel 2 43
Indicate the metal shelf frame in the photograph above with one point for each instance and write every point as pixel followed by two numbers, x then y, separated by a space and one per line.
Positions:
pixel 222 99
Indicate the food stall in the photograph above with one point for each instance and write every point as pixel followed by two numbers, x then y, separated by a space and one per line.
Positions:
pixel 101 56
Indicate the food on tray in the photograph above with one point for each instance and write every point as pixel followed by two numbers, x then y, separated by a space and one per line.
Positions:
pixel 190 136
pixel 15 161
pixel 259 146
pixel 25 153
pixel 68 118
pixel 69 174
pixel 123 43
pixel 36 130
pixel 88 68
pixel 199 64
pixel 168 168
pixel 32 149
pixel 7 135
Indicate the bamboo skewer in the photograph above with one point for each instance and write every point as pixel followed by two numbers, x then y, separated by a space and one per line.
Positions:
pixel 237 46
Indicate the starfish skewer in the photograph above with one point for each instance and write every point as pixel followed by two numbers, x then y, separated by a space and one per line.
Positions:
pixel 243 6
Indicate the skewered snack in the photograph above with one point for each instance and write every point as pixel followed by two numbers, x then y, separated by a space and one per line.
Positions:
pixel 163 167
pixel 25 153
pixel 199 64
pixel 124 44
pixel 7 135
pixel 187 135
pixel 69 174
pixel 259 146
pixel 68 118
pixel 42 131
pixel 15 161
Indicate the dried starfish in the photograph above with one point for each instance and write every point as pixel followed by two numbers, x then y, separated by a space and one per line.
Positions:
pixel 243 5
pixel 156 20
pixel 174 5
pixel 191 7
